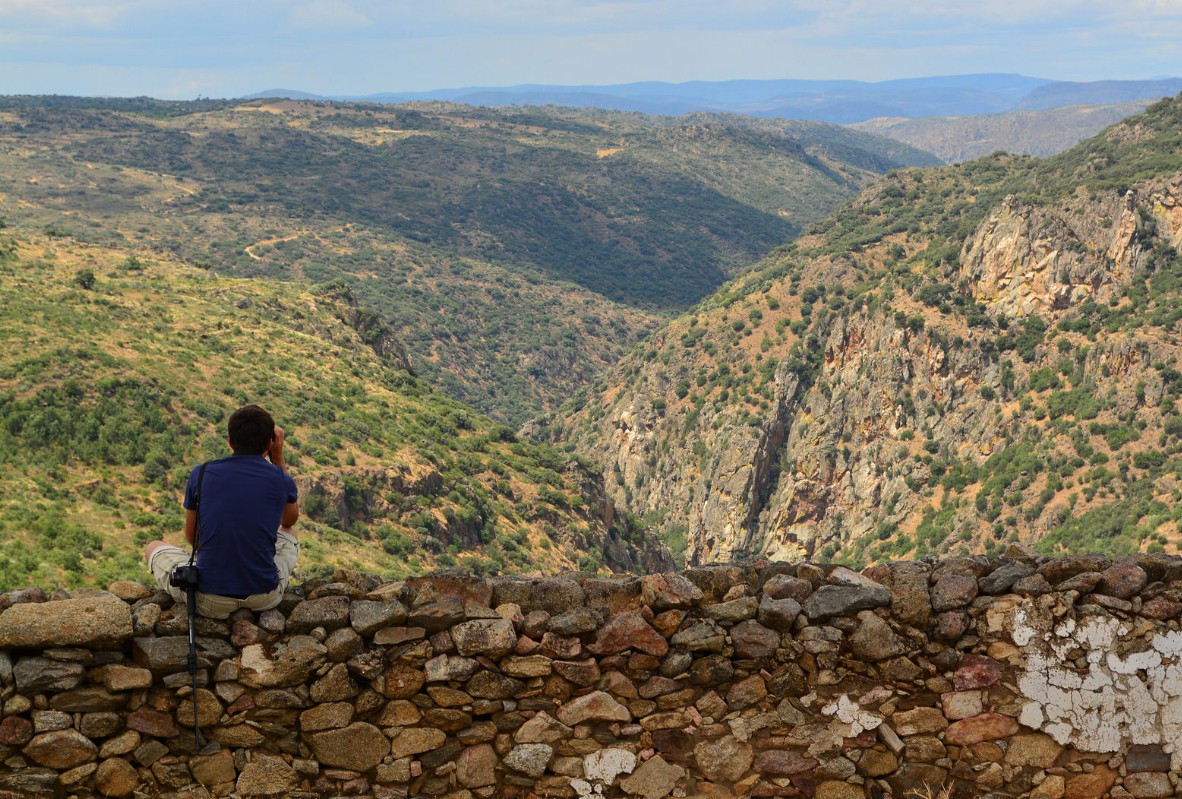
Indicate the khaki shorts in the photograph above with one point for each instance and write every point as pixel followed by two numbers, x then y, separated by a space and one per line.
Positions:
pixel 214 606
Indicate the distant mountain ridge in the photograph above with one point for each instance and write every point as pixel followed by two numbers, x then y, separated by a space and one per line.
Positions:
pixel 835 101
pixel 1057 95
pixel 1025 132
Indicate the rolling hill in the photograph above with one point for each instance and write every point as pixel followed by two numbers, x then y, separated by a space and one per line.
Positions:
pixel 516 252
pixel 1040 132
pixel 121 367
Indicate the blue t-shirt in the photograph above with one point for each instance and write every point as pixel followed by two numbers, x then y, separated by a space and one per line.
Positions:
pixel 242 501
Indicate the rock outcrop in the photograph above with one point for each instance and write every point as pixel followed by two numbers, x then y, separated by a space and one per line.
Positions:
pixel 779 425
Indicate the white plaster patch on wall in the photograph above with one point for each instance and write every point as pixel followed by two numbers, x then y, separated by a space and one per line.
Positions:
pixel 1125 693
pixel 601 769
pixel 852 714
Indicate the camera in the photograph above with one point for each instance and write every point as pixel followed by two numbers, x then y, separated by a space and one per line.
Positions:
pixel 184 577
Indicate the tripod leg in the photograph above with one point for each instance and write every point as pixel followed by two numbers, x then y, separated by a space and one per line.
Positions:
pixel 191 603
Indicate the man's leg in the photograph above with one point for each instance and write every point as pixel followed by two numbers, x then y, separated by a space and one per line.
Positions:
pixel 151 547
pixel 162 558
pixel 287 552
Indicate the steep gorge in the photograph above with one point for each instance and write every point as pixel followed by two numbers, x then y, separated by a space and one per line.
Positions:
pixel 960 358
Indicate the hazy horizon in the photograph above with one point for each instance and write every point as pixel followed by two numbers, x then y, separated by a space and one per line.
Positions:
pixel 177 49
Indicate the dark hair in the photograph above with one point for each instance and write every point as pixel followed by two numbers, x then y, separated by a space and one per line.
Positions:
pixel 251 430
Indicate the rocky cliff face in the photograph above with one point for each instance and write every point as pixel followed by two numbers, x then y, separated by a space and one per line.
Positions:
pixel 866 400
pixel 1025 260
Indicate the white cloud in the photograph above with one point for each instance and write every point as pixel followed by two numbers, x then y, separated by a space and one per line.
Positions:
pixel 64 14
pixel 328 15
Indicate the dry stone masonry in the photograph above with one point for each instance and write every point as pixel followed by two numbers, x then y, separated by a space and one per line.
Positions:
pixel 1015 676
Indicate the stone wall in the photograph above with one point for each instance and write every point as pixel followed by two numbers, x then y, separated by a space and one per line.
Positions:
pixel 1014 676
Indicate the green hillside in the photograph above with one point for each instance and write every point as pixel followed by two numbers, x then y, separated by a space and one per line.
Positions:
pixel 122 366
pixel 960 358
pixel 517 251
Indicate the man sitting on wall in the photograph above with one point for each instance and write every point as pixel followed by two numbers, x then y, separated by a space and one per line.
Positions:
pixel 239 517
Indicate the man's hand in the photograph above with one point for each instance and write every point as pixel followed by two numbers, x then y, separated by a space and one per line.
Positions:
pixel 276 451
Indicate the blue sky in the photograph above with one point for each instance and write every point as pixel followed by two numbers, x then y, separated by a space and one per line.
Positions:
pixel 224 48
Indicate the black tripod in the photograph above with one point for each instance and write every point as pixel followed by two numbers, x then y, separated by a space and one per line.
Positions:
pixel 185 577
pixel 191 605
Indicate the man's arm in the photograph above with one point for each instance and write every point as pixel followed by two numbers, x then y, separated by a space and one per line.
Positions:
pixel 191 527
pixel 291 514
pixel 291 511
pixel 275 452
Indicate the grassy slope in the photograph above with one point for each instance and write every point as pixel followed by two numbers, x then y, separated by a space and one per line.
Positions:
pixel 608 220
pixel 119 374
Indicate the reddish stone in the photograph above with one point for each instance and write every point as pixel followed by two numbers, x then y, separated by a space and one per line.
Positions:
pixel 985 727
pixel 526 646
pixel 805 784
pixel 658 686
pixel 152 722
pixel 596 706
pixel 951 625
pixel 753 640
pixel 1161 609
pixel 669 622
pixel 638 661
pixel 1149 785
pixel 747 692
pixel 782 586
pixel 61 749
pixel 953 591
pixel 977 671
pixel 476 766
pixel 1090 786
pixel 535 623
pixel 676 746
pixel 583 673
pixel 629 631
pixel 402 681
pixel 1123 580
pixel 560 647
pixel 242 703
pixel 782 763
pixel 864 740
pixel 669 591
pixel 15 731
pixel 246 633
pixel 464 587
